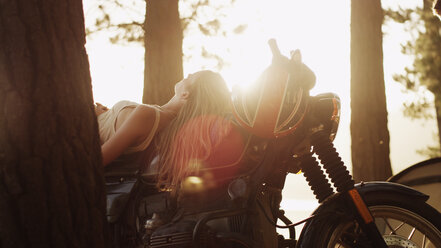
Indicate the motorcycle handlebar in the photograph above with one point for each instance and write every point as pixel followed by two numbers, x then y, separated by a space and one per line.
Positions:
pixel 274 48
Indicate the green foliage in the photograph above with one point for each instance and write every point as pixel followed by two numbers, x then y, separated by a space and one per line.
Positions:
pixel 400 16
pixel 425 73
pixel 123 21
pixel 425 47
pixel 430 151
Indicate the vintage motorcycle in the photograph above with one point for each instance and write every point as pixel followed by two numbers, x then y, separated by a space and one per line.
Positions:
pixel 243 209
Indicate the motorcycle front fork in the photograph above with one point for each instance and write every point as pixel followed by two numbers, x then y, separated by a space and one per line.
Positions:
pixel 342 181
pixel 364 218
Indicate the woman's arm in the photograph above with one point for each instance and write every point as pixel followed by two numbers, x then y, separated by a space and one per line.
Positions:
pixel 137 126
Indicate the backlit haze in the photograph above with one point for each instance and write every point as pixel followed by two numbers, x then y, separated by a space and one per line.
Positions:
pixel 320 29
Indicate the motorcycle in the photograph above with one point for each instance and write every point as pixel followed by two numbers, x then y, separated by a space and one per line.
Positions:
pixel 243 210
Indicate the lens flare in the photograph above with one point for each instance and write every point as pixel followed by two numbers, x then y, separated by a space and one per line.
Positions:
pixel 192 184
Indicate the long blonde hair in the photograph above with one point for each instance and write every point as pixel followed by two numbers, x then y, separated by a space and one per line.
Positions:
pixel 188 140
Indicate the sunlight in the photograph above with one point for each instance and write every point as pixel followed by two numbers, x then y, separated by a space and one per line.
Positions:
pixel 116 75
pixel 322 39
pixel 320 29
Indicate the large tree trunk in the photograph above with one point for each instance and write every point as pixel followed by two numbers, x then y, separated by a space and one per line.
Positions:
pixel 51 184
pixel 369 133
pixel 163 50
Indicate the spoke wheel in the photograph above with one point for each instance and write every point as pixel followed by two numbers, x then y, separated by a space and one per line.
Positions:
pixel 405 221
pixel 401 228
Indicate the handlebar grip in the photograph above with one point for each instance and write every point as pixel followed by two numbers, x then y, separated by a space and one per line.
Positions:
pixel 274 48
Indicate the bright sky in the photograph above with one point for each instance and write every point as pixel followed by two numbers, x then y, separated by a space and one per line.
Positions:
pixel 320 29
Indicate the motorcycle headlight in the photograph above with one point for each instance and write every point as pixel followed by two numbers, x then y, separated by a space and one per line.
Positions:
pixel 327 111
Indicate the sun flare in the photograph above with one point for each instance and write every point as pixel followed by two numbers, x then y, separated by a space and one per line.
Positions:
pixel 320 29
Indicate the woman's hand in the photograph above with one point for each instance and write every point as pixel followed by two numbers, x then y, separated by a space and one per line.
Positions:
pixel 99 109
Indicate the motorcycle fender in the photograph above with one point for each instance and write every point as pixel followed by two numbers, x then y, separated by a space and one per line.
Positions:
pixel 365 189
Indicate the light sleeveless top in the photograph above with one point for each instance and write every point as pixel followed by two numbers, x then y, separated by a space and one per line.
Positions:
pixel 107 124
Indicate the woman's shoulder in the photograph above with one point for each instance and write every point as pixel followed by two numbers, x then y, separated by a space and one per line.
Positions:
pixel 146 112
pixel 141 108
pixel 125 103
pixel 148 108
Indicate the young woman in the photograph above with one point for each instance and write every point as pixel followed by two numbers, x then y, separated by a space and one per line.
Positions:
pixel 129 127
pixel 201 135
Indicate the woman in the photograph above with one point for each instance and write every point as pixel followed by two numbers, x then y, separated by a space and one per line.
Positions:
pixel 129 127
pixel 200 136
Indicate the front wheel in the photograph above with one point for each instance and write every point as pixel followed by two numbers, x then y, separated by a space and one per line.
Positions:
pixel 403 222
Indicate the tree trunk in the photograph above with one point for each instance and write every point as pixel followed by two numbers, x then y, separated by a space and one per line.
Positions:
pixel 369 133
pixel 438 116
pixel 163 50
pixel 432 26
pixel 51 183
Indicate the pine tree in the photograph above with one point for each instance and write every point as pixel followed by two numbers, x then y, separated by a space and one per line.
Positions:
pixel 425 72
pixel 51 184
pixel 369 133
pixel 161 32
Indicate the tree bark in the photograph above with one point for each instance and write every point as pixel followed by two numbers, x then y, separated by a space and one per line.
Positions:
pixel 163 50
pixel 369 133
pixel 51 183
pixel 437 103
pixel 432 26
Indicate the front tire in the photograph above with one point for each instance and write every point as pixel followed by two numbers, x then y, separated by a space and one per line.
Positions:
pixel 403 222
